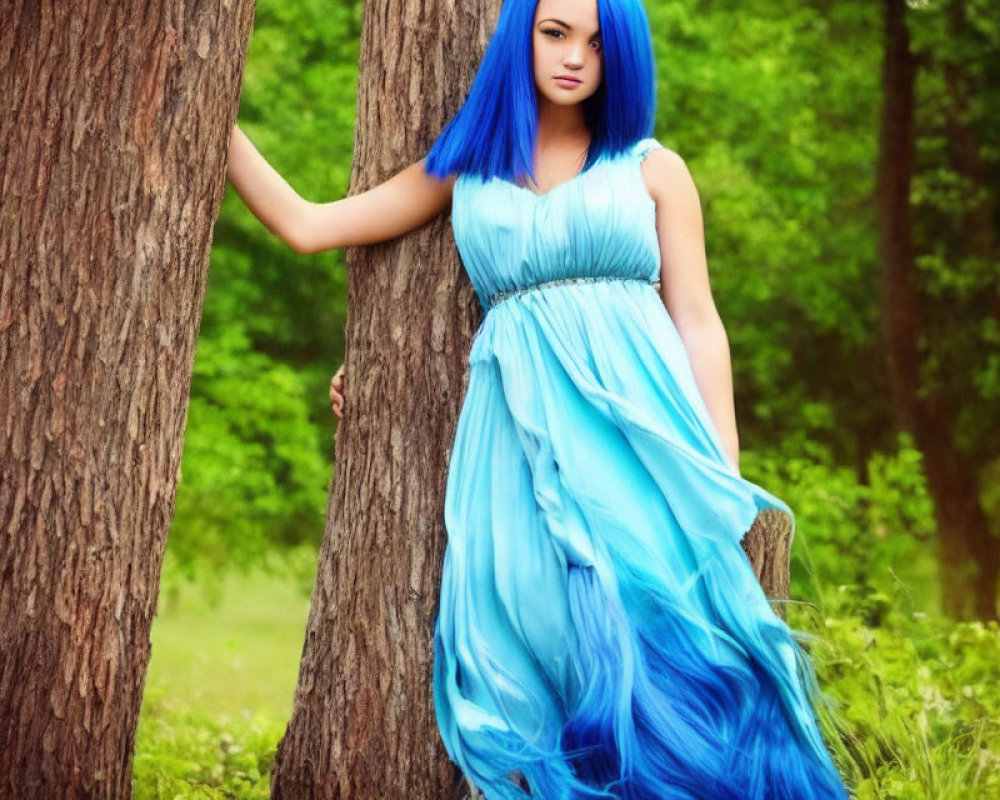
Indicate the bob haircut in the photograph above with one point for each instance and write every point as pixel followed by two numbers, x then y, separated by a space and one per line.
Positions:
pixel 493 133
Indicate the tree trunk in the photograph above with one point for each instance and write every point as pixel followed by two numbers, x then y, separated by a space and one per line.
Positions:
pixel 964 540
pixel 768 545
pixel 363 723
pixel 979 235
pixel 115 123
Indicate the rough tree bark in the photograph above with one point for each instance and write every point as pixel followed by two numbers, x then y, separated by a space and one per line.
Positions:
pixel 114 124
pixel 768 545
pixel 951 477
pixel 363 724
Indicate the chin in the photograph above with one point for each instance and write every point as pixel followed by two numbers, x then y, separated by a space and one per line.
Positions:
pixel 564 99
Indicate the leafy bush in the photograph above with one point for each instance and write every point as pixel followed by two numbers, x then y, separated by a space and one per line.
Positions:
pixel 876 534
pixel 181 752
pixel 918 699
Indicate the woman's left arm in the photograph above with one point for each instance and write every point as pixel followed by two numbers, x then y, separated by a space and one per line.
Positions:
pixel 685 289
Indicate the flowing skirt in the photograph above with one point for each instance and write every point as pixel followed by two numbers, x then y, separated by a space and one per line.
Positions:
pixel 601 632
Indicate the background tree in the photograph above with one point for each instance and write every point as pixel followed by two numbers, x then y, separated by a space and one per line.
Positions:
pixel 115 121
pixel 940 277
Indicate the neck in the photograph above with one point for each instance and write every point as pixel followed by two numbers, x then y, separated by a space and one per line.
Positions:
pixel 558 124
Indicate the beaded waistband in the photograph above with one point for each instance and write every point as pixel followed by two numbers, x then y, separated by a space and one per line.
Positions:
pixel 501 296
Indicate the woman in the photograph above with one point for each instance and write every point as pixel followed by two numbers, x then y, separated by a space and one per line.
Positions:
pixel 601 632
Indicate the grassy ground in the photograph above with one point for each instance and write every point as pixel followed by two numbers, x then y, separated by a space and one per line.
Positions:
pixel 919 695
pixel 219 689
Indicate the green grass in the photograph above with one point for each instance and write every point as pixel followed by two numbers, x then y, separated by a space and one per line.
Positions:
pixel 239 655
pixel 219 688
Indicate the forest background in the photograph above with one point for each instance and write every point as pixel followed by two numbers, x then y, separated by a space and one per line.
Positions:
pixel 776 107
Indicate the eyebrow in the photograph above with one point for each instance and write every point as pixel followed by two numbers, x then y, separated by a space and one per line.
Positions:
pixel 566 25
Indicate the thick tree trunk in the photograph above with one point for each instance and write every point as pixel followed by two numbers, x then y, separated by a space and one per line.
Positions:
pixel 363 725
pixel 968 555
pixel 114 120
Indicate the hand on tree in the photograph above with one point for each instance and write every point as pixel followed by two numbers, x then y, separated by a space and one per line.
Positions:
pixel 337 392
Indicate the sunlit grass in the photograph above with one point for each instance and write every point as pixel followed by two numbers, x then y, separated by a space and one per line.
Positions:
pixel 219 688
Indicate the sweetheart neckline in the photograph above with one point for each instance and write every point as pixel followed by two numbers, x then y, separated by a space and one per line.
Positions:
pixel 603 161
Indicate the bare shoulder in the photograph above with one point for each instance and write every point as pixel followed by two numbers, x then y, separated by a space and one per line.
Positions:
pixel 668 178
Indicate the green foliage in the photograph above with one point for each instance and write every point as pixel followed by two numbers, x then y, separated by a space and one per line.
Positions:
pixel 219 686
pixel 258 451
pixel 874 532
pixel 260 478
pixel 917 713
pixel 182 752
pixel 774 108
pixel 955 207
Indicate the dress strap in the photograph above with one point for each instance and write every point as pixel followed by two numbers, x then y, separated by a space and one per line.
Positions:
pixel 643 146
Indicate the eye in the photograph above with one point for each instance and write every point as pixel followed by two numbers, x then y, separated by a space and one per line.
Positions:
pixel 556 33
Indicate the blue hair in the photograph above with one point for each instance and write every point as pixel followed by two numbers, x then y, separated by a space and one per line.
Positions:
pixel 493 133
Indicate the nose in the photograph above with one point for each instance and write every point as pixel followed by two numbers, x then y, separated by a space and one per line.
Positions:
pixel 575 55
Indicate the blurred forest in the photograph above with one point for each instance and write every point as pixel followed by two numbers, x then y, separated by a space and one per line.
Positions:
pixel 777 113
pixel 865 338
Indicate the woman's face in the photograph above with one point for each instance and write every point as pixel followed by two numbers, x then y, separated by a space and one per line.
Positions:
pixel 566 41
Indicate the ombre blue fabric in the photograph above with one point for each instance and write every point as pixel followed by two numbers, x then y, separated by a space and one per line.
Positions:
pixel 601 632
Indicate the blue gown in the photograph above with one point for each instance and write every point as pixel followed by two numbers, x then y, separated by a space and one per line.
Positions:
pixel 601 632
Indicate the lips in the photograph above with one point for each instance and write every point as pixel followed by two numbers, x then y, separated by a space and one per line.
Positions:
pixel 567 82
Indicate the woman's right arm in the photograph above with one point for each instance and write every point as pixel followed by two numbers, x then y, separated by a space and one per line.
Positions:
pixel 404 202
